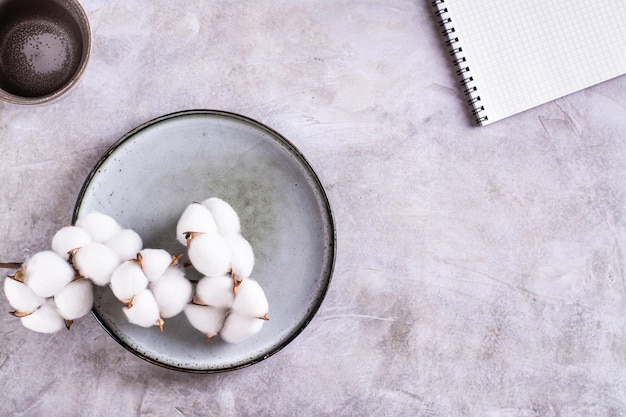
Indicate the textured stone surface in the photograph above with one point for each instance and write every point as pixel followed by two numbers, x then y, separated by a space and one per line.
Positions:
pixel 479 272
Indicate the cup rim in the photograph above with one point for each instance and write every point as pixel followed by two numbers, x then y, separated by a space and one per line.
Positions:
pixel 76 77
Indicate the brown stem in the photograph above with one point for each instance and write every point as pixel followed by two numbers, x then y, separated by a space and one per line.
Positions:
pixel 160 322
pixel 196 301
pixel 175 259
pixel 236 282
pixel 11 265
pixel 19 313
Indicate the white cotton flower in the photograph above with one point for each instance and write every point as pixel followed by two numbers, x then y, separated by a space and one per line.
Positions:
pixel 69 238
pixel 238 327
pixel 96 261
pixel 225 216
pixel 242 256
pixel 144 310
pixel 126 243
pixel 215 291
pixel 154 262
pixel 21 297
pixel 46 319
pixel 172 291
pixel 46 273
pixel 195 218
pixel 226 300
pixel 128 280
pixel 208 320
pixel 250 300
pixel 75 300
pixel 209 254
pixel 99 226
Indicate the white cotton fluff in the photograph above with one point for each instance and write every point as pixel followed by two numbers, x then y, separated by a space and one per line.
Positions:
pixel 209 254
pixel 21 297
pixel 242 260
pixel 144 311
pixel 97 262
pixel 250 299
pixel 154 262
pixel 238 328
pixel 225 216
pixel 172 291
pixel 195 218
pixel 46 273
pixel 206 319
pixel 126 243
pixel 69 238
pixel 215 291
pixel 99 226
pixel 75 300
pixel 128 280
pixel 46 319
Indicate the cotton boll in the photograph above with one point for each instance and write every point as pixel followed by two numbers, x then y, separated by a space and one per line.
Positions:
pixel 242 256
pixel 250 300
pixel 96 261
pixel 45 319
pixel 99 226
pixel 144 311
pixel 46 273
pixel 206 319
pixel 209 254
pixel 195 218
pixel 172 292
pixel 238 328
pixel 128 280
pixel 68 239
pixel 215 291
pixel 126 243
pixel 75 300
pixel 225 216
pixel 21 297
pixel 154 262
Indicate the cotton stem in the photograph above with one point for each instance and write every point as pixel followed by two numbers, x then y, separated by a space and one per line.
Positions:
pixel 11 265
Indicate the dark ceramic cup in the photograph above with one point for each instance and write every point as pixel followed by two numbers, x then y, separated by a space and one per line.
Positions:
pixel 44 49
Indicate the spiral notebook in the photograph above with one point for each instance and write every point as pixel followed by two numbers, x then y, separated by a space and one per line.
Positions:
pixel 513 55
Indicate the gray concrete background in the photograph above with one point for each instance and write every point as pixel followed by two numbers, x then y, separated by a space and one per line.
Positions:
pixel 480 271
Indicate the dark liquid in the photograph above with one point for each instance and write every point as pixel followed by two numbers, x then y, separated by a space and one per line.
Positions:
pixel 40 47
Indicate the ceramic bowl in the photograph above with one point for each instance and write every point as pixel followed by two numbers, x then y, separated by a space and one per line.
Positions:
pixel 150 175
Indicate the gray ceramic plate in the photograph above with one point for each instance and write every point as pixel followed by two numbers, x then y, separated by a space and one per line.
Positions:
pixel 148 177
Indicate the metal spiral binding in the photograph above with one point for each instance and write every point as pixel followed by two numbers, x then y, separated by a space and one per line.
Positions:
pixel 459 61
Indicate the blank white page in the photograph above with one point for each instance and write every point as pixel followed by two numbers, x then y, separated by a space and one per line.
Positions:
pixel 522 53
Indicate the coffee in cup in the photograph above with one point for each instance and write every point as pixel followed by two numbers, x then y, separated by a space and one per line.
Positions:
pixel 44 48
